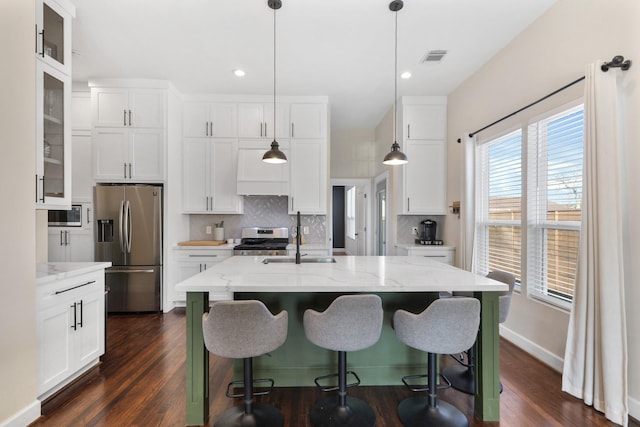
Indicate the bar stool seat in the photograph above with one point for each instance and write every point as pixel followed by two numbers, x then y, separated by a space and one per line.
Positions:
pixel 243 330
pixel 446 326
pixel 350 323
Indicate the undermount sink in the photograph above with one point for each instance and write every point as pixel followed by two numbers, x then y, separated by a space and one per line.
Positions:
pixel 314 260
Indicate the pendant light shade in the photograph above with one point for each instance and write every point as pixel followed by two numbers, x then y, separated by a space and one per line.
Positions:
pixel 395 156
pixel 274 155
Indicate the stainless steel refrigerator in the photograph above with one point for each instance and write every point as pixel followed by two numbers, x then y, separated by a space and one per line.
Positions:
pixel 128 232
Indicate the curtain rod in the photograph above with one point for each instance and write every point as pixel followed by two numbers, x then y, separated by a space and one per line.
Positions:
pixel 617 62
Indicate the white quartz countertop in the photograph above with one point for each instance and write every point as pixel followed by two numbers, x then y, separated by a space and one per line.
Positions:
pixel 308 246
pixel 52 271
pixel 348 274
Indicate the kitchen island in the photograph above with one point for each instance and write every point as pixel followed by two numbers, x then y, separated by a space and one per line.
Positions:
pixel 402 282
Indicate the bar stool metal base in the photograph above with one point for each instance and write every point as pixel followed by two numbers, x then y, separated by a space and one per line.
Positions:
pixel 329 413
pixel 461 378
pixel 263 415
pixel 415 412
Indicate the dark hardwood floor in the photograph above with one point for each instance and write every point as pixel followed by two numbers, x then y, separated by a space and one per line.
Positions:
pixel 141 382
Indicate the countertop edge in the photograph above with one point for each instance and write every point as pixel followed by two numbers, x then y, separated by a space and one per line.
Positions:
pixel 53 271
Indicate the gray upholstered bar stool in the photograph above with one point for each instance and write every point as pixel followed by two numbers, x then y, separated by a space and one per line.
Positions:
pixel 461 377
pixel 243 330
pixel 350 323
pixel 446 326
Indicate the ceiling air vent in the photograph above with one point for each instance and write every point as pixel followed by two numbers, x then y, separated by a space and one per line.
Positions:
pixel 433 56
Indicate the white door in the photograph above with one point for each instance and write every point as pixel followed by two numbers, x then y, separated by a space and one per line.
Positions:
pixel 361 221
pixel 350 242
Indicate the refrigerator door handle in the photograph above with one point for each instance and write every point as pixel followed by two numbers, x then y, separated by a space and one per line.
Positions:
pixel 128 226
pixel 111 271
pixel 120 235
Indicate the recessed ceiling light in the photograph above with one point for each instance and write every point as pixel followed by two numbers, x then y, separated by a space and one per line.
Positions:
pixel 239 73
pixel 405 75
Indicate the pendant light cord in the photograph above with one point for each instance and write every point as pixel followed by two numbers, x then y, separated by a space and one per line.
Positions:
pixel 274 74
pixel 395 81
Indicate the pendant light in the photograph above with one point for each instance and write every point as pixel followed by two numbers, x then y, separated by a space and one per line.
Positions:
pixel 274 155
pixel 395 156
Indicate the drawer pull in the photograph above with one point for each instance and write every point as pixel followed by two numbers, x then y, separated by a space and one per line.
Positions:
pixel 129 271
pixel 74 287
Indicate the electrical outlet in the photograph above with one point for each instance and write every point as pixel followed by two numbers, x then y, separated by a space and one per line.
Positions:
pixel 305 229
pixel 414 231
pixel 207 229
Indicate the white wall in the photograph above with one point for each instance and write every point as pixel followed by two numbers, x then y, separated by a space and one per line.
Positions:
pixel 550 53
pixel 352 153
pixel 17 218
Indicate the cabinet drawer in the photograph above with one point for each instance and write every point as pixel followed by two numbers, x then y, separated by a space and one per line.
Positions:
pixel 50 294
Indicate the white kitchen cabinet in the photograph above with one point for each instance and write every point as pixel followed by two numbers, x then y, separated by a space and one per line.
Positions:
pixel 70 244
pixel 204 119
pixel 424 121
pixel 209 176
pixel 424 178
pixel 308 176
pixel 308 120
pixel 256 177
pixel 53 33
pixel 126 108
pixel 255 120
pixel 70 327
pixel 129 155
pixel 422 182
pixel 193 260
pixel 444 254
pixel 53 138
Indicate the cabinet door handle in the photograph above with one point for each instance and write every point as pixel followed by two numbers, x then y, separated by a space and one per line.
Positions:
pixel 61 242
pixel 66 238
pixel 211 128
pixel 42 38
pixel 206 128
pixel 203 256
pixel 36 188
pixel 75 317
pixel 261 125
pixel 408 131
pixel 292 132
pixel 42 181
pixel 125 170
pixel 124 117
pixel 292 203
pixel 265 130
pixel 408 204
pixel 129 170
pixel 88 210
pixel 129 117
pixel 81 314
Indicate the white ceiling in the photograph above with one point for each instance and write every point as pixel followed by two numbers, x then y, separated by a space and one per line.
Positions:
pixel 343 49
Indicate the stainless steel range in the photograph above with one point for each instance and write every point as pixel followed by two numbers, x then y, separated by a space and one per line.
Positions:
pixel 263 241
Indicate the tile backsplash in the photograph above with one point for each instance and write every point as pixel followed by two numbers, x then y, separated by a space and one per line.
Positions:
pixel 259 211
pixel 405 222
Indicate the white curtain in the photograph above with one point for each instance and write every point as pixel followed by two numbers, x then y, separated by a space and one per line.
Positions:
pixel 467 202
pixel 595 361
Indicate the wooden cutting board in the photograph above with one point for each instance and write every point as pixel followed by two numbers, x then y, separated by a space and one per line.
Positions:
pixel 203 243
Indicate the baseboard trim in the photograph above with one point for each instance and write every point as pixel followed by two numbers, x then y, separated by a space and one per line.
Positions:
pixel 634 408
pixel 541 353
pixel 24 417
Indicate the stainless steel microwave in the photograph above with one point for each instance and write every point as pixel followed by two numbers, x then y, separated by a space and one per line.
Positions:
pixel 66 218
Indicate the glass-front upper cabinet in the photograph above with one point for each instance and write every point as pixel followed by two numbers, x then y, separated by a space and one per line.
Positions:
pixel 53 33
pixel 53 133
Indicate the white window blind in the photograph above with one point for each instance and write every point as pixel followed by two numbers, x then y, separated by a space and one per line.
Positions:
pixel 555 151
pixel 499 205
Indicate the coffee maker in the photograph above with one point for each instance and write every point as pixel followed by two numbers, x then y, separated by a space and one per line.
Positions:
pixel 428 233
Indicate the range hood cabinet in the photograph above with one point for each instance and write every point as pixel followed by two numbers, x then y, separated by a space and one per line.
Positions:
pixel 257 178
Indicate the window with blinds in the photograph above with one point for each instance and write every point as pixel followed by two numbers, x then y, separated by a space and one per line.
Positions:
pixel 554 202
pixel 499 205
